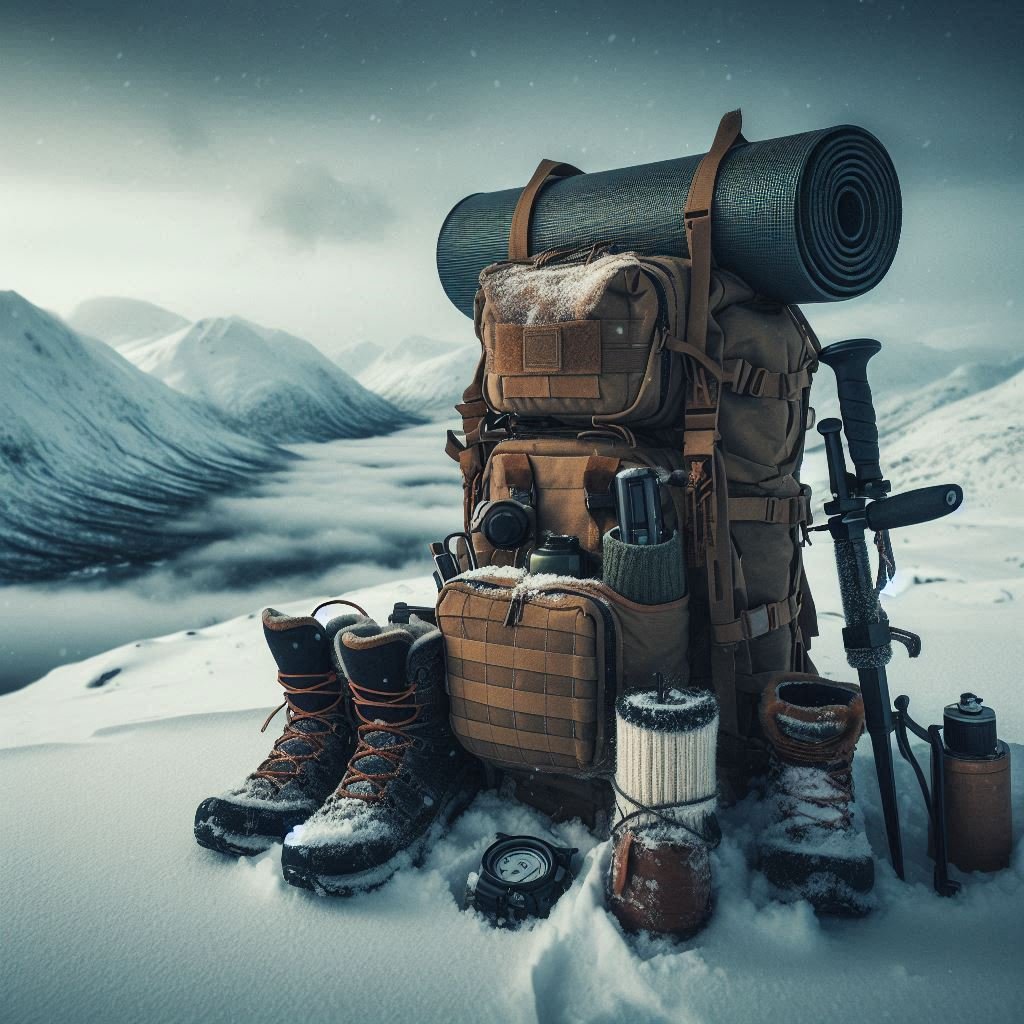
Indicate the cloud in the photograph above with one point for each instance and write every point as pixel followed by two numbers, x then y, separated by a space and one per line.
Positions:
pixel 313 206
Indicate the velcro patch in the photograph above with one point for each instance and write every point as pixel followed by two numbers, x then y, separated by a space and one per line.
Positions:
pixel 542 348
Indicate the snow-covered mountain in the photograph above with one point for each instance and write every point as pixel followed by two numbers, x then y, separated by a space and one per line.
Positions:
pixel 976 442
pixel 912 385
pixel 353 359
pixel 423 376
pixel 115 319
pixel 96 455
pixel 264 382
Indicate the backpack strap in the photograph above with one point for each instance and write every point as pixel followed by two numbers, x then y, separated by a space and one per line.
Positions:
pixel 744 378
pixel 470 451
pixel 710 539
pixel 519 230
pixel 697 222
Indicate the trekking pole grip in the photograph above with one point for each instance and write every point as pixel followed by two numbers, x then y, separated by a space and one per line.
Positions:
pixel 919 506
pixel 849 361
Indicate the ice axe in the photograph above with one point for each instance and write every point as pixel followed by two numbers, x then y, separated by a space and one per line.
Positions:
pixel 861 502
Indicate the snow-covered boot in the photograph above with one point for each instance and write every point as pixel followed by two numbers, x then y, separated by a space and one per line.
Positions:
pixel 408 778
pixel 815 847
pixel 309 757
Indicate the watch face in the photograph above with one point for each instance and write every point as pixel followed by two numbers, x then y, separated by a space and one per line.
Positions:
pixel 518 866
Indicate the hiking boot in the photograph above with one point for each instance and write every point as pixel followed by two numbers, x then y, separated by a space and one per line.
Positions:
pixel 815 847
pixel 307 759
pixel 408 778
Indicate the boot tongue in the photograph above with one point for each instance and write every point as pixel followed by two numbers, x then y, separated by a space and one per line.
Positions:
pixel 376 667
pixel 302 649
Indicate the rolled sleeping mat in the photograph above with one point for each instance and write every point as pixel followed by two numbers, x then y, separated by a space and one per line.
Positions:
pixel 813 217
pixel 665 757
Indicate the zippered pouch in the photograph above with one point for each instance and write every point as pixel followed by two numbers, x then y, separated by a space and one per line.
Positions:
pixel 583 341
pixel 535 663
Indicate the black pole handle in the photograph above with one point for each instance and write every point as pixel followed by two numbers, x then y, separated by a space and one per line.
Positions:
pixel 920 506
pixel 849 360
pixel 830 430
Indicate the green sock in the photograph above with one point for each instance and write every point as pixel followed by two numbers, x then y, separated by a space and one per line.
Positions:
pixel 645 573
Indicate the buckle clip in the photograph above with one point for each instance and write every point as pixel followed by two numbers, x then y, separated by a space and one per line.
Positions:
pixel 758 621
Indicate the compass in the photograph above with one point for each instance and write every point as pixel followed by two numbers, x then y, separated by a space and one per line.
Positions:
pixel 520 877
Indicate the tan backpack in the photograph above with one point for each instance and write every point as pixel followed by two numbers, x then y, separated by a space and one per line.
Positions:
pixel 592 361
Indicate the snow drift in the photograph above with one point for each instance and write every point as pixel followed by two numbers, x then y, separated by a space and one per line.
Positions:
pixel 95 456
pixel 265 382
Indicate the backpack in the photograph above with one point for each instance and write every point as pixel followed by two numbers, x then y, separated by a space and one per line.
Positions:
pixel 594 360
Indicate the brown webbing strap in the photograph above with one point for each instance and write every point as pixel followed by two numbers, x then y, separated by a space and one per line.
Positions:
pixel 469 451
pixel 697 222
pixel 598 480
pixel 708 488
pixel 759 621
pixel 744 378
pixel 518 473
pixel 519 230
pixel 778 511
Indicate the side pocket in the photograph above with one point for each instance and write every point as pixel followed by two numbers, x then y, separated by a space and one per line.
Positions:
pixel 655 638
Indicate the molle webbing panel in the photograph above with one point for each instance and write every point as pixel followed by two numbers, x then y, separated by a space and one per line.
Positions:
pixel 527 693
pixel 813 217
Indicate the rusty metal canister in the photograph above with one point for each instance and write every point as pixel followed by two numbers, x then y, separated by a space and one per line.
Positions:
pixel 976 782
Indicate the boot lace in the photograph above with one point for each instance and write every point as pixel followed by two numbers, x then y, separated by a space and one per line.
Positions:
pixel 281 765
pixel 369 743
pixel 814 797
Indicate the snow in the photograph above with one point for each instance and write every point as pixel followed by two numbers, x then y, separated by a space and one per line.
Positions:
pixel 423 376
pixel 96 456
pixel 525 294
pixel 264 382
pixel 162 930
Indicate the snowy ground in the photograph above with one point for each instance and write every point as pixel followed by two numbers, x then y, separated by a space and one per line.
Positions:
pixel 112 913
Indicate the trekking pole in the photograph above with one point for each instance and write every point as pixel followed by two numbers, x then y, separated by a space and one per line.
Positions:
pixel 860 503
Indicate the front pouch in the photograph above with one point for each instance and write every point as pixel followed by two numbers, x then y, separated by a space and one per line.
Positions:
pixel 580 342
pixel 534 665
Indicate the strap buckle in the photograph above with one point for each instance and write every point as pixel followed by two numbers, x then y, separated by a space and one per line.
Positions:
pixel 759 621
pixel 758 382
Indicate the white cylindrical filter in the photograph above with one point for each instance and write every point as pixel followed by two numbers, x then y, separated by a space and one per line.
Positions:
pixel 665 756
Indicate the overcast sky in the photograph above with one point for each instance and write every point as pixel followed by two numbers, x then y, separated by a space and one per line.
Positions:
pixel 293 164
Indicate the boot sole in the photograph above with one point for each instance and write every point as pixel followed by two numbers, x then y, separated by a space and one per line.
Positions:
pixel 233 844
pixel 821 882
pixel 373 878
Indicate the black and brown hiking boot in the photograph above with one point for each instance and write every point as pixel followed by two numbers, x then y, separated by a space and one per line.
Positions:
pixel 815 847
pixel 408 777
pixel 309 757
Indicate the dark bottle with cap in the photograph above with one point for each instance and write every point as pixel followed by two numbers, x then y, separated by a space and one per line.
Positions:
pixel 559 555
pixel 976 777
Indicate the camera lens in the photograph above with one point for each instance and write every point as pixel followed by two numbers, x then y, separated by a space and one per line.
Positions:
pixel 506 524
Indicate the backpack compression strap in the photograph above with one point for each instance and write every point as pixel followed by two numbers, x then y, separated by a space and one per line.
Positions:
pixel 519 231
pixel 707 488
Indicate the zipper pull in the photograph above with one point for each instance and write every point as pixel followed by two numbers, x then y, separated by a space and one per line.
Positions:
pixel 515 611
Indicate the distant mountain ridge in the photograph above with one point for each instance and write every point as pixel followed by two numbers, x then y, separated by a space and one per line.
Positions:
pixel 115 319
pixel 265 382
pixel 423 376
pixel 95 455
